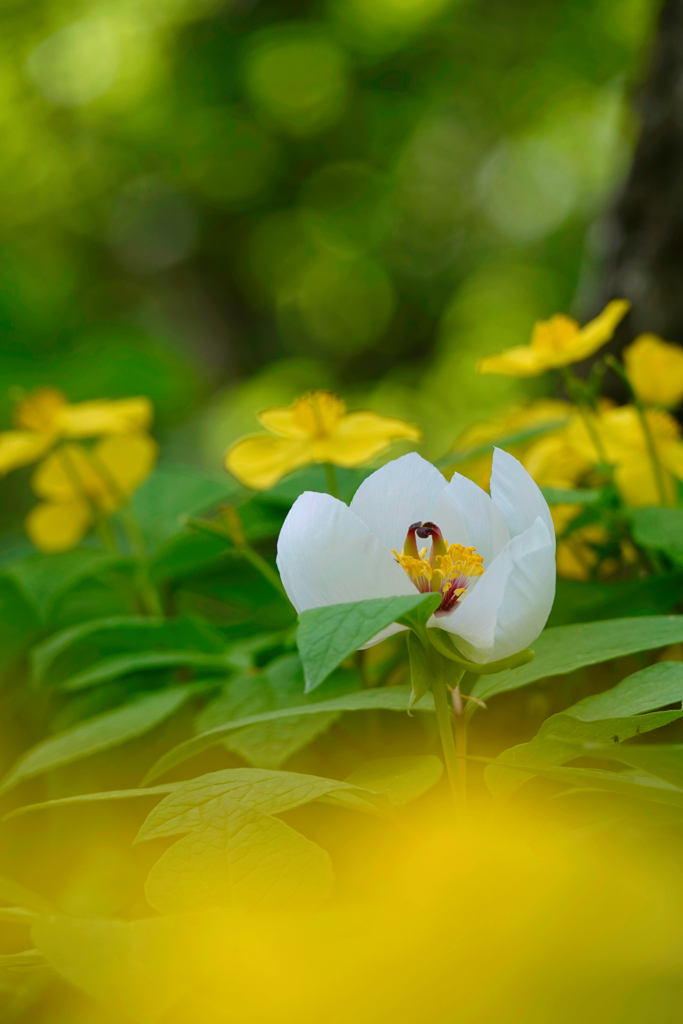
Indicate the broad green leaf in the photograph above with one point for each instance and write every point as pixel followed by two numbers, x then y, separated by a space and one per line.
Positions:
pixel 660 528
pixel 595 599
pixel 135 969
pixel 97 734
pixel 193 551
pixel 328 635
pixel 420 668
pixel 279 685
pixel 19 896
pixel 90 798
pixel 45 578
pixel 400 779
pixel 612 716
pixel 564 649
pixel 80 647
pixel 392 698
pixel 243 857
pixel 638 786
pixel 175 491
pixel 569 496
pixel 563 738
pixel 193 803
pixel 19 621
pixel 664 761
pixel 113 668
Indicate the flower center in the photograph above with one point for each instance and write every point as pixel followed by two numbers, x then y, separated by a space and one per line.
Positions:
pixel 449 569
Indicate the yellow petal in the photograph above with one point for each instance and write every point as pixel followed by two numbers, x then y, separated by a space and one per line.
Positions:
pixel 655 370
pixel 260 460
pixel 58 526
pixel 522 361
pixel 40 410
pixel 360 436
pixel 66 475
pixel 123 463
pixel 637 484
pixel 554 335
pixel 575 560
pixel 553 462
pixel 597 332
pixel 21 448
pixel 313 415
pixel 90 419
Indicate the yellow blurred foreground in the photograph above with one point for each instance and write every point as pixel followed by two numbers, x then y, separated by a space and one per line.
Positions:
pixel 506 924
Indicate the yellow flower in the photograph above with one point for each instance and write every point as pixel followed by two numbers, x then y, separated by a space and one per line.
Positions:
pixel 44 417
pixel 557 342
pixel 621 434
pixel 655 370
pixel 315 428
pixel 496 431
pixel 81 484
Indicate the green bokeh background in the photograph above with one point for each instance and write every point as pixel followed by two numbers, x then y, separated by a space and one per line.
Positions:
pixel 221 204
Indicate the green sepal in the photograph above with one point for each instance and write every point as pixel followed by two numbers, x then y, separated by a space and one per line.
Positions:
pixel 420 669
pixel 417 618
pixel 444 644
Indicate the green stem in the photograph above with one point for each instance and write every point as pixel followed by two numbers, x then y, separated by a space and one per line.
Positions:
pixel 331 478
pixel 574 388
pixel 652 452
pixel 443 718
pixel 647 432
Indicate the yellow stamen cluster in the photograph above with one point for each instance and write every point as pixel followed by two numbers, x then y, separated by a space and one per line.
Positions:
pixel 458 564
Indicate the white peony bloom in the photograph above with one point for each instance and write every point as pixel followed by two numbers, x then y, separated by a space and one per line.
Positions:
pixel 491 558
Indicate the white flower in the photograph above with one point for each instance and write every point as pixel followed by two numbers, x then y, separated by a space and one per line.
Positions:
pixel 492 558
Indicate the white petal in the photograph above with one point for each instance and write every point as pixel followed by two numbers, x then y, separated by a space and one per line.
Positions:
pixel 485 527
pixel 509 605
pixel 517 496
pixel 399 494
pixel 326 555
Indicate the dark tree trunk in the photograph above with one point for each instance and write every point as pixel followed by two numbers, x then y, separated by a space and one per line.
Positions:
pixel 644 258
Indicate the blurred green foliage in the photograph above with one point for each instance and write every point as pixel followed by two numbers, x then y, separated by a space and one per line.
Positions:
pixel 362 194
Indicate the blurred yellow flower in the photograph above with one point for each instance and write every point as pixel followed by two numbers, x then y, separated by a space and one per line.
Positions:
pixel 557 342
pixel 513 421
pixel 81 484
pixel 655 370
pixel 625 446
pixel 315 428
pixel 44 417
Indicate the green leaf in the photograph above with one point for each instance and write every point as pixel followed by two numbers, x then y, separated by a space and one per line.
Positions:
pixel 612 716
pixel 174 491
pixel 193 803
pixel 89 798
pixel 279 685
pixel 79 648
pixel 392 698
pixel 328 635
pixel 135 969
pixel 660 528
pixel 639 787
pixel 400 779
pixel 564 649
pixel 113 668
pixel 97 734
pixel 19 621
pixel 45 578
pixel 586 602
pixel 664 761
pixel 569 496
pixel 242 857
